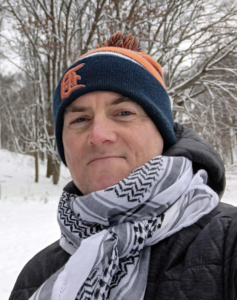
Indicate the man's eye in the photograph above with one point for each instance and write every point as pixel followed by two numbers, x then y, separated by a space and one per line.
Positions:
pixel 79 120
pixel 125 113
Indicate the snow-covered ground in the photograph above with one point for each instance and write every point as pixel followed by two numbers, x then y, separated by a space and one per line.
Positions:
pixel 28 212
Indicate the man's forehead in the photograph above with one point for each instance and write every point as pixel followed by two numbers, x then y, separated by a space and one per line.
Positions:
pixel 77 107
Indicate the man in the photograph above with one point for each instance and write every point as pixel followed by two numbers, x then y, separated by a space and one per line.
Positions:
pixel 142 218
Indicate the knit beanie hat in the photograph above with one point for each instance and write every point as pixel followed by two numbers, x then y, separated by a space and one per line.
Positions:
pixel 117 66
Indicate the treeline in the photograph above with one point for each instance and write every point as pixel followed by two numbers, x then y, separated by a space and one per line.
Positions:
pixel 194 41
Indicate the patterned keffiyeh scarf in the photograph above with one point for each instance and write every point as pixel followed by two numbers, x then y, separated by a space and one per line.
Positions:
pixel 109 232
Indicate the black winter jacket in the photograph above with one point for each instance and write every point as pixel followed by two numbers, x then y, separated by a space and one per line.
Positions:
pixel 198 262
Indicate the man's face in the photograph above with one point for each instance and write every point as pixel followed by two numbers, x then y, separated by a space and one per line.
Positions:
pixel 106 136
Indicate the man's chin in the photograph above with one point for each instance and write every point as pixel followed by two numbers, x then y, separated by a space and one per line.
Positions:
pixel 107 182
pixel 100 182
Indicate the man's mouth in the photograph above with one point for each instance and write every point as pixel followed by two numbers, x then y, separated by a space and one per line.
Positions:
pixel 104 157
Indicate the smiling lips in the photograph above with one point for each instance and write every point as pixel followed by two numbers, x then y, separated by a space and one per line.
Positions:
pixel 103 157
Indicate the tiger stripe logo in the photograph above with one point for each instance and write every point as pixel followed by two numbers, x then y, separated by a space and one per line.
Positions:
pixel 69 82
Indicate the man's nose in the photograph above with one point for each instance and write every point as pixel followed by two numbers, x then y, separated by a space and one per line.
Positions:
pixel 101 132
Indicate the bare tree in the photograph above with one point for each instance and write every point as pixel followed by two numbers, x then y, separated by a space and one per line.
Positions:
pixel 193 42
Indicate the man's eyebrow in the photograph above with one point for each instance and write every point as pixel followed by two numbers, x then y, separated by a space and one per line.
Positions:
pixel 120 100
pixel 70 109
pixel 116 101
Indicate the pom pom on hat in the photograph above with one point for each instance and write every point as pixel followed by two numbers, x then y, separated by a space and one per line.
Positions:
pixel 120 41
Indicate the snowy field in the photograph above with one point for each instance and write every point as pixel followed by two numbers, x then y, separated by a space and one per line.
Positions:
pixel 28 213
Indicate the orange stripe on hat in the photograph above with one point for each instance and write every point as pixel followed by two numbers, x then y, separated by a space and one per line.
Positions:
pixel 143 59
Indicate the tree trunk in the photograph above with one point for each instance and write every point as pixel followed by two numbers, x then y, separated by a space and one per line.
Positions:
pixel 56 171
pixel 232 146
pixel 36 154
pixel 49 171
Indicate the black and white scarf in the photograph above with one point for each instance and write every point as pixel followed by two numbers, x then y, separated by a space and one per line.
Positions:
pixel 109 232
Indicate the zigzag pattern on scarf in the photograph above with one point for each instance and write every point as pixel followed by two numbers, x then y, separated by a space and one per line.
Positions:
pixel 122 270
pixel 84 229
pixel 87 290
pixel 143 230
pixel 98 283
pixel 143 176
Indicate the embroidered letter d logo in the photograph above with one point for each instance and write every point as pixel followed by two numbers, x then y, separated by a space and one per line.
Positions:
pixel 69 82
